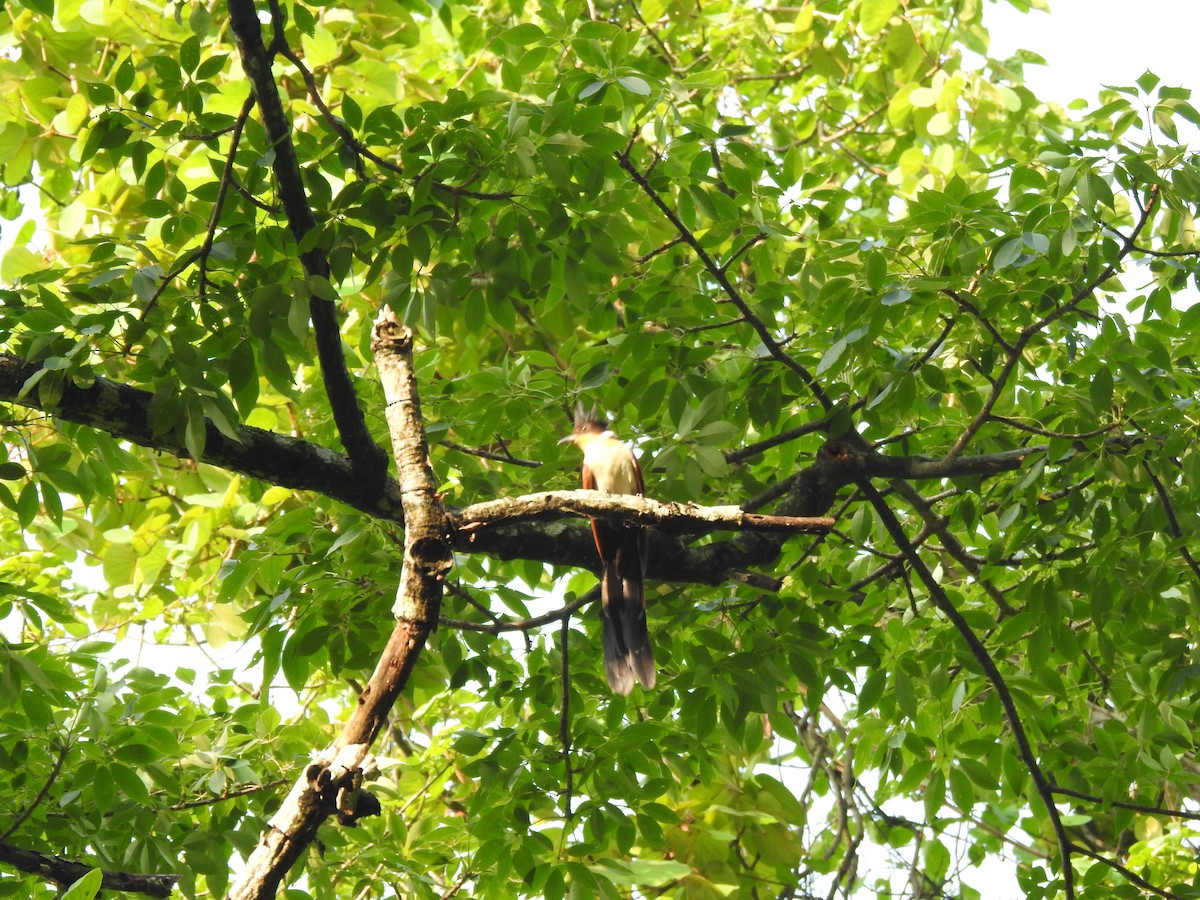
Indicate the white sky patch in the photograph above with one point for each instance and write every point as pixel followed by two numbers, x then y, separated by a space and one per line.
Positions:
pixel 1088 44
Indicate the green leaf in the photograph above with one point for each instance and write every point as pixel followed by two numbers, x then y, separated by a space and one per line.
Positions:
pixel 635 84
pixel 189 54
pixel 521 35
pixel 873 15
pixel 86 888
pixel 1008 253
pixel 592 88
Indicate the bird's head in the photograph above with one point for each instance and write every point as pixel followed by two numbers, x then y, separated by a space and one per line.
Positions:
pixel 588 424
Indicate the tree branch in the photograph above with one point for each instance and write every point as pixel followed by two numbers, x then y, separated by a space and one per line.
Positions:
pixel 123 411
pixel 718 274
pixel 1173 521
pixel 1029 331
pixel 683 518
pixel 222 191
pixel 338 127
pixel 1127 873
pixel 1122 804
pixel 338 771
pixel 24 814
pixel 367 457
pixel 65 872
pixel 984 659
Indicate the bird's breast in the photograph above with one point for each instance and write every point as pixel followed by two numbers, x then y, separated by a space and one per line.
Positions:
pixel 612 467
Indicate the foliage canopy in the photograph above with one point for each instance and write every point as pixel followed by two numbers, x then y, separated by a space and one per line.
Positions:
pixel 817 258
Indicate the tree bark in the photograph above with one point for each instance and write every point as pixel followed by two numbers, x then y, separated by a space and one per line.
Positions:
pixel 65 872
pixel 332 784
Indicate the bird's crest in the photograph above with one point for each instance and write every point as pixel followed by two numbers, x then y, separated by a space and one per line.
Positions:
pixel 589 421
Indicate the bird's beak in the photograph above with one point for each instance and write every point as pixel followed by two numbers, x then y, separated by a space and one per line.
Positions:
pixel 568 439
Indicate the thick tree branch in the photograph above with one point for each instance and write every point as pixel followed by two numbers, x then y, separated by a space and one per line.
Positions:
pixel 368 458
pixel 682 518
pixel 65 872
pixel 338 772
pixel 124 412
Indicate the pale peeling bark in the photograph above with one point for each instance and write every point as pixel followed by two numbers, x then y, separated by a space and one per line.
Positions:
pixel 333 782
pixel 684 518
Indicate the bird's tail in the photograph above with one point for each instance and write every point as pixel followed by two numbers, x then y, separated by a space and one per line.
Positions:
pixel 628 656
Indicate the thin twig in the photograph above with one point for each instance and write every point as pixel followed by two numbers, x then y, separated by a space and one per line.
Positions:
pixel 646 257
pixel 564 722
pixel 500 625
pixel 743 453
pixel 1129 874
pixel 1122 804
pixel 231 795
pixel 1060 435
pixel 773 346
pixel 41 795
pixel 964 303
pixel 1165 499
pixel 222 191
pixel 337 126
pixel 756 238
pixel 1029 331
pixel 491 454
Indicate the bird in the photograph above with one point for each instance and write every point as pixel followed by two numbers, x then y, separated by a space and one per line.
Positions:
pixel 609 466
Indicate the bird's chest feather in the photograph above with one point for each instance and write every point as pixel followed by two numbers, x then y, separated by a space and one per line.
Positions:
pixel 612 467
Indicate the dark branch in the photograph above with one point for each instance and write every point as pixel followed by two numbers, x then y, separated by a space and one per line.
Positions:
pixel 1122 804
pixel 124 412
pixel 1173 521
pixel 65 872
pixel 987 664
pixel 222 192
pixel 1030 331
pixel 41 795
pixel 338 127
pixel 369 458
pixel 718 274
pixel 1127 873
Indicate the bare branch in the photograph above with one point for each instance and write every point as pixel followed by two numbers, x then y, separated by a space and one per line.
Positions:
pixel 332 784
pixel 683 518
